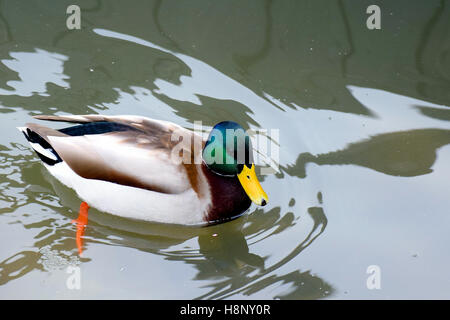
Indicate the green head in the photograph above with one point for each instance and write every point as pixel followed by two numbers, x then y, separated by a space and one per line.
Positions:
pixel 228 152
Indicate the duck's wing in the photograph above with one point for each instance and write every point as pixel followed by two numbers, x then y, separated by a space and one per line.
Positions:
pixel 129 150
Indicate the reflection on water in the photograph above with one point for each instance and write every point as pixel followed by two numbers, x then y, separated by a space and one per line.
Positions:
pixel 35 70
pixel 405 153
pixel 353 106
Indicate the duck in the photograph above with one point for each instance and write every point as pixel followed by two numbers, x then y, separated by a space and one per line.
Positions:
pixel 153 170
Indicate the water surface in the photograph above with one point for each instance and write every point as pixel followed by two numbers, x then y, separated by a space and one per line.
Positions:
pixel 364 163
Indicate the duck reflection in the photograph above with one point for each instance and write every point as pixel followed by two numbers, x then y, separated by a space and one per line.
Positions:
pixel 224 255
pixel 404 153
pixel 225 258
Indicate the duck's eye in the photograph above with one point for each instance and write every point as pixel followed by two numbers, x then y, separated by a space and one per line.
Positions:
pixel 248 177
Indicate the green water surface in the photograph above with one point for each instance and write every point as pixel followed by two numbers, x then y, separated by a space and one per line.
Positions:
pixel 364 160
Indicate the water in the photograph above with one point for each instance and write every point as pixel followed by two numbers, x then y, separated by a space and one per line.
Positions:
pixel 364 146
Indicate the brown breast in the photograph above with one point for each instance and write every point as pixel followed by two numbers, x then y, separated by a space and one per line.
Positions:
pixel 227 196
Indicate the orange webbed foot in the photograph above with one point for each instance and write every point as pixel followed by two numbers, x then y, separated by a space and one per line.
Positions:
pixel 81 222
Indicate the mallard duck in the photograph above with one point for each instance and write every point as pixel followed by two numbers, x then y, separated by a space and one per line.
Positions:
pixel 153 170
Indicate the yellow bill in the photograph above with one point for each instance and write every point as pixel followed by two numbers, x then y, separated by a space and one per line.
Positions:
pixel 252 187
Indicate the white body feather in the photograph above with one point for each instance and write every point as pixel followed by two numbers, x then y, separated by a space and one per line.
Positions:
pixel 130 202
pixel 181 206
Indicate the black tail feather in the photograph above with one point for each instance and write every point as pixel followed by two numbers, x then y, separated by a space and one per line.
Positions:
pixel 35 138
